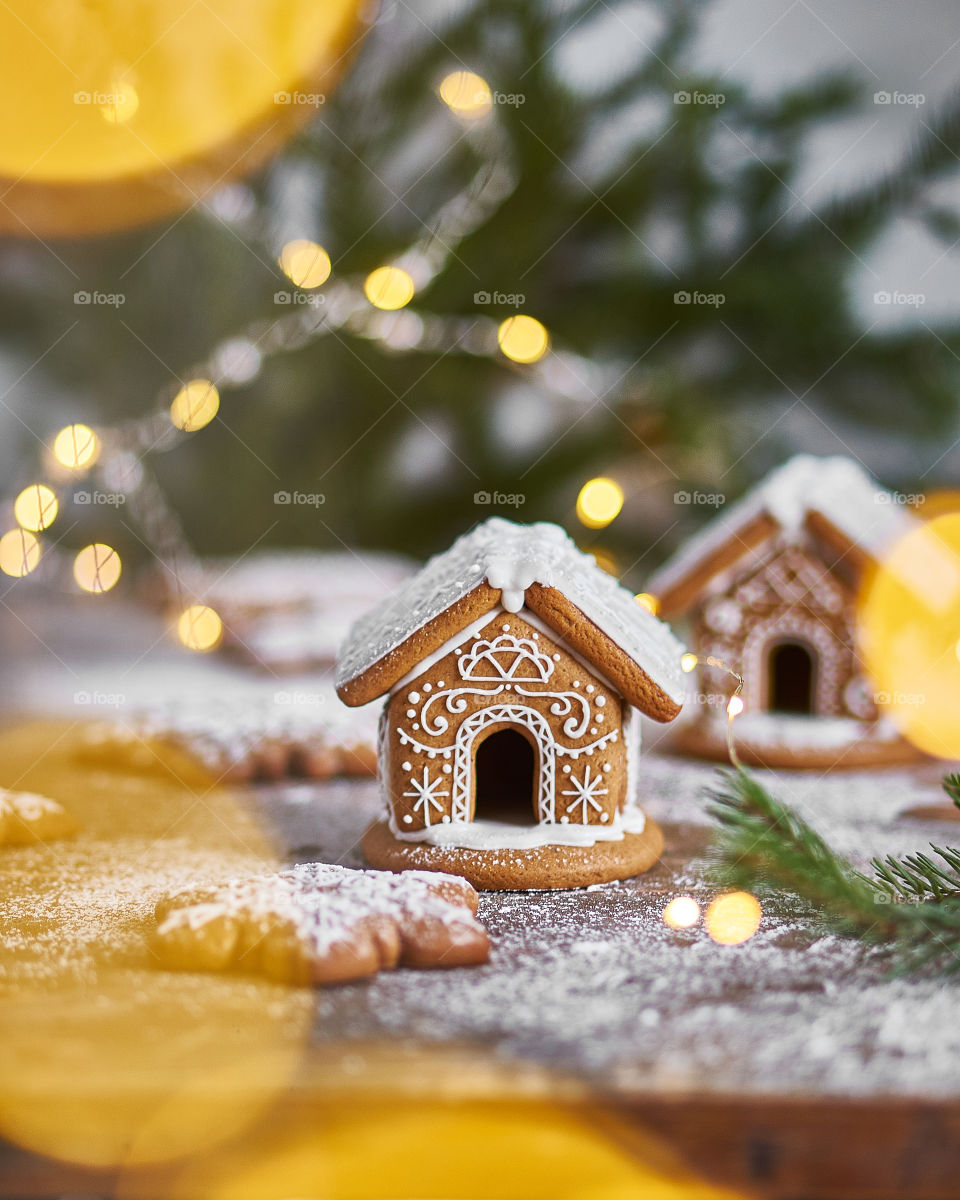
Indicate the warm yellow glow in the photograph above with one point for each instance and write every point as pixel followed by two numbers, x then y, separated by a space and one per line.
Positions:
pixel 648 601
pixel 36 507
pixel 734 706
pixel 119 103
pixel 389 288
pixel 688 662
pixel 600 500
pixel 76 447
pixel 681 913
pixel 19 552
pixel 200 627
pixel 908 627
pixel 305 263
pixel 606 561
pixel 733 918
pixel 466 94
pixel 97 568
pixel 523 339
pixel 195 405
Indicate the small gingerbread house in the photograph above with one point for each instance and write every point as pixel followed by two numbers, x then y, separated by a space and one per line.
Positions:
pixel 513 668
pixel 768 589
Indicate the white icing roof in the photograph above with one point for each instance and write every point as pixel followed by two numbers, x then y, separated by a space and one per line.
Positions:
pixel 512 557
pixel 836 486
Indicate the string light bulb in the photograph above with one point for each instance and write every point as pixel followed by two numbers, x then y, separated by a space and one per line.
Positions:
pixel 97 568
pixel 683 912
pixel 688 662
pixel 599 502
pixel 76 447
pixel 305 263
pixel 200 627
pixel 35 508
pixel 648 601
pixel 733 918
pixel 195 405
pixel 734 707
pixel 466 94
pixel 389 288
pixel 19 553
pixel 523 339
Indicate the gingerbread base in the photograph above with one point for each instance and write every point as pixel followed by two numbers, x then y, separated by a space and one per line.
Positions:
pixel 545 868
pixel 710 742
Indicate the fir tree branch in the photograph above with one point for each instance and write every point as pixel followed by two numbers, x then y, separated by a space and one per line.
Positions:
pixel 911 906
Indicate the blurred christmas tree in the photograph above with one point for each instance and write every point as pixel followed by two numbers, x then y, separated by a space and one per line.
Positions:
pixel 628 197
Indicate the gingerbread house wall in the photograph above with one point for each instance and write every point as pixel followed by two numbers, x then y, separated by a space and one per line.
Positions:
pixel 788 593
pixel 507 673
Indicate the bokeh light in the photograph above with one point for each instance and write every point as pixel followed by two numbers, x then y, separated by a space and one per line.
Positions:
pixel 389 288
pixel 908 627
pixel 688 662
pixel 599 502
pixel 734 706
pixel 467 94
pixel 305 263
pixel 683 912
pixel 200 627
pixel 120 103
pixel 76 447
pixel 733 918
pixel 523 339
pixel 36 507
pixel 97 568
pixel 606 560
pixel 195 405
pixel 648 601
pixel 19 553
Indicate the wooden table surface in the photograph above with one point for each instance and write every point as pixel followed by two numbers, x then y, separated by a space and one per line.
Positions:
pixel 790 1066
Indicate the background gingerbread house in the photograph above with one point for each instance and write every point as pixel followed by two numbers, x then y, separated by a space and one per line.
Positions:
pixel 513 667
pixel 769 589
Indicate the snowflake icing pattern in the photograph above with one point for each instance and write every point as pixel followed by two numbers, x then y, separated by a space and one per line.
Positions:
pixel 426 794
pixel 585 794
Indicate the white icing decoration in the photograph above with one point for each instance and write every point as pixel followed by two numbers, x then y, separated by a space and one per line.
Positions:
pixel 494 835
pixel 503 658
pixel 426 794
pixel 585 792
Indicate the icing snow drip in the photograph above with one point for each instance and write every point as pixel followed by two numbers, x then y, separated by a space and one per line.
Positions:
pixel 497 835
pixel 514 575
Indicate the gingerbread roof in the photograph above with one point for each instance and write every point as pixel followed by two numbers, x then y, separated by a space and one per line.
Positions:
pixel 833 499
pixel 502 564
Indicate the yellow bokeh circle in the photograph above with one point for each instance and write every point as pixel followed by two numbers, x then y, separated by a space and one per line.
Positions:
pixel 19 553
pixel 305 263
pixel 127 113
pixel 599 502
pixel 467 94
pixel 36 507
pixel 389 288
pixel 97 568
pixel 76 447
pixel 733 918
pixel 648 601
pixel 200 627
pixel 195 405
pixel 908 629
pixel 523 339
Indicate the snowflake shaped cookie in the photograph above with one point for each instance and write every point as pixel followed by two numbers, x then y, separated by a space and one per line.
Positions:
pixel 321 925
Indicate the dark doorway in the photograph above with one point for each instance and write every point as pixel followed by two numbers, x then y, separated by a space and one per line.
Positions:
pixel 790 683
pixel 504 769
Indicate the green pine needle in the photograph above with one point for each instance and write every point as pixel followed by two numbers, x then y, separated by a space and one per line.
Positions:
pixel 911 906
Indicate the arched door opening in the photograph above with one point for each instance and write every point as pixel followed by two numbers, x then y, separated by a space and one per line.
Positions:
pixel 791 671
pixel 504 773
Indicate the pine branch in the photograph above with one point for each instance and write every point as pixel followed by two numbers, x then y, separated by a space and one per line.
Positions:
pixel 951 785
pixel 912 906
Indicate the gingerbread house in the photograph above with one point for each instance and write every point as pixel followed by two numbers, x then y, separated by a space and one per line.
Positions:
pixel 513 669
pixel 768 589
